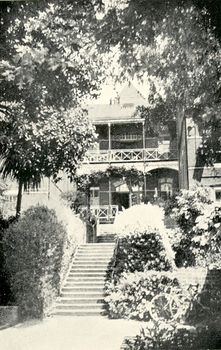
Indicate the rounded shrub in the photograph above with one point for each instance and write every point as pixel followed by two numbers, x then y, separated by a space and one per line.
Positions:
pixel 33 249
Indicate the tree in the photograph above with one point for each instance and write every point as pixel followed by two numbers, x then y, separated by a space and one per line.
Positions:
pixel 173 46
pixel 48 68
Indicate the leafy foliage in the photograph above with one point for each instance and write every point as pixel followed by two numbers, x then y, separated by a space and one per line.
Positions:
pixel 206 241
pixel 198 242
pixel 48 58
pixel 55 141
pixel 130 297
pixel 132 177
pixel 48 69
pixel 33 249
pixel 189 204
pixel 141 251
pixel 173 47
pixel 131 285
pixel 162 336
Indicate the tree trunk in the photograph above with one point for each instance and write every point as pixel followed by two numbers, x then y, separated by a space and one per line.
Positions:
pixel 19 198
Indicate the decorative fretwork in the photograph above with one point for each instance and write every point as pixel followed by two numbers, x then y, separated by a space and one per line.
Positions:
pixel 130 155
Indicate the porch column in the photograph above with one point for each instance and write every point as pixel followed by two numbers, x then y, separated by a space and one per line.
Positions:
pixel 143 128
pixel 109 142
pixel 109 199
pixel 144 163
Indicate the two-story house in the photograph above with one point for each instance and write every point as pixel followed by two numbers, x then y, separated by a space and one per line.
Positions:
pixel 123 141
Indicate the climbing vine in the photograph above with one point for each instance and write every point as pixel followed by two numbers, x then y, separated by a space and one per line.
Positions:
pixel 132 177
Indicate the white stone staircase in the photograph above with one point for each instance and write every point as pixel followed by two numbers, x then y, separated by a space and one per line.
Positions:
pixel 82 292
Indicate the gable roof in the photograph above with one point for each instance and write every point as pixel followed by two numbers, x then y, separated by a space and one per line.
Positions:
pixel 130 94
pixel 121 109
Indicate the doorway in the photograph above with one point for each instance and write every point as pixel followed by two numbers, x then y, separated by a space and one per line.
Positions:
pixel 121 199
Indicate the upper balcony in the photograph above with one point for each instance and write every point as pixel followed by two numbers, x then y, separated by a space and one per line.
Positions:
pixel 130 155
pixel 129 143
pixel 155 149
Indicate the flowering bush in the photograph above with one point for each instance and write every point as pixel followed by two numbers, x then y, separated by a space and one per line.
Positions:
pixel 140 251
pixel 139 218
pixel 189 205
pixel 33 249
pixel 130 297
pixel 143 222
pixel 142 247
pixel 206 242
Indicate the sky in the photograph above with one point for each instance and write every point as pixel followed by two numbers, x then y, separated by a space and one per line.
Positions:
pixel 110 91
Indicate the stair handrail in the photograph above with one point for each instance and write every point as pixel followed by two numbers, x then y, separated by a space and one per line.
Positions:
pixel 115 256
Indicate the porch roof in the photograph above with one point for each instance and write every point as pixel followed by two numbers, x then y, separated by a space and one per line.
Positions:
pixel 104 114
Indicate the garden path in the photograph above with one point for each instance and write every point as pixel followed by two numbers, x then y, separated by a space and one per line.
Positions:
pixel 69 333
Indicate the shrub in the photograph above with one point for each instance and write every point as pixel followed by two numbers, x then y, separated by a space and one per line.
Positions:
pixel 139 218
pixel 142 232
pixel 170 337
pixel 75 231
pixel 130 297
pixel 141 251
pixel 33 248
pixel 206 240
pixel 6 296
pixel 153 337
pixel 189 205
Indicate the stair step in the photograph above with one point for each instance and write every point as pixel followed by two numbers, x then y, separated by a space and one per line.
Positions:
pixel 85 294
pixel 90 265
pixel 89 312
pixel 84 283
pixel 88 274
pixel 83 289
pixel 83 279
pixel 88 270
pixel 97 245
pixel 94 256
pixel 80 306
pixel 91 260
pixel 81 300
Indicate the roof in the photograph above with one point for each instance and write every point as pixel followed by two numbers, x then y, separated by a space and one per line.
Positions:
pixel 119 110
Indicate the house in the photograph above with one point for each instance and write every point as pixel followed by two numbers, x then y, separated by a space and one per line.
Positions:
pixel 130 165
pixel 196 169
pixel 124 144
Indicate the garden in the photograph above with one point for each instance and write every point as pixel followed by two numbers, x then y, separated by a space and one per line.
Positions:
pixel 169 279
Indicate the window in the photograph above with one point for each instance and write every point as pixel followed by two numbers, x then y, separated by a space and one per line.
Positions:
pixel 218 195
pixel 94 195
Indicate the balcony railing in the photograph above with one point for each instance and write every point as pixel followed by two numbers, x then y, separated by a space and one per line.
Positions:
pixel 129 155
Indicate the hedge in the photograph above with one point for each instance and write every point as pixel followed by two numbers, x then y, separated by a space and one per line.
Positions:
pixel 33 249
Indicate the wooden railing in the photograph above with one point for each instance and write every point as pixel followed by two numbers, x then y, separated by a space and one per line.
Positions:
pixel 129 155
pixel 103 212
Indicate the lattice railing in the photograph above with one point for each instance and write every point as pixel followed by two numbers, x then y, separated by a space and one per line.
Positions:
pixel 103 212
pixel 130 155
